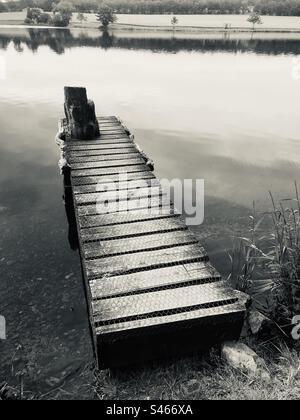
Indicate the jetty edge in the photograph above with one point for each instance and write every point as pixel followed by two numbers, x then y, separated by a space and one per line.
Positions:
pixel 151 290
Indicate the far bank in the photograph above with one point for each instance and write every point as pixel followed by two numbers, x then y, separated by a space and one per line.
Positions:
pixel 186 23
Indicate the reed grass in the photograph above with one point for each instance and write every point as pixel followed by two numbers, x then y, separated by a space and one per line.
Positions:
pixel 267 265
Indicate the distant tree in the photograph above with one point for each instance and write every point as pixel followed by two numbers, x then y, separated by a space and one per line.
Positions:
pixel 81 18
pixel 62 13
pixel 46 5
pixel 174 22
pixel 86 6
pixel 33 14
pixel 106 15
pixel 176 7
pixel 36 16
pixel 59 20
pixel 44 18
pixel 255 19
pixel 64 7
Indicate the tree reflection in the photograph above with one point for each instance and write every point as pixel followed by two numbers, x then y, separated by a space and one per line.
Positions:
pixel 58 40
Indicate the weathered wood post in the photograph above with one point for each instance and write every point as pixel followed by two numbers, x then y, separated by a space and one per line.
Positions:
pixel 82 123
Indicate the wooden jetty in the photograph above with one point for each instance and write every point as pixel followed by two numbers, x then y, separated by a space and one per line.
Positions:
pixel 151 289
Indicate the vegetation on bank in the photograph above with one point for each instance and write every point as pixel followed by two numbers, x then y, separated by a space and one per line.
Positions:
pixel 267 265
pixel 198 377
pixel 262 7
pixel 254 19
pixel 105 15
pixel 62 14
pixel 204 377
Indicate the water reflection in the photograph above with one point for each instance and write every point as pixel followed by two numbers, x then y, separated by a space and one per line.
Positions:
pixel 41 288
pixel 60 40
pixel 223 109
pixel 70 211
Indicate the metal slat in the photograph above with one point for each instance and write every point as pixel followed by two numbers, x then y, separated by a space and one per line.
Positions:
pixel 106 158
pixel 124 140
pixel 149 204
pixel 110 171
pixel 178 320
pixel 112 178
pixel 118 195
pixel 109 123
pixel 107 118
pixel 102 147
pixel 132 229
pixel 113 136
pixel 152 279
pixel 137 244
pixel 164 301
pixel 109 152
pixel 116 186
pixel 103 138
pixel 128 217
pixel 108 164
pixel 144 260
pixel 112 130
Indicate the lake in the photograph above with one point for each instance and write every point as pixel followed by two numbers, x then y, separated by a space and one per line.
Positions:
pixel 222 109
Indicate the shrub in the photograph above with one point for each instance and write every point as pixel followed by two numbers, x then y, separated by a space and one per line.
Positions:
pixel 44 18
pixel 60 20
pixel 36 16
pixel 106 15
pixel 254 19
pixel 62 14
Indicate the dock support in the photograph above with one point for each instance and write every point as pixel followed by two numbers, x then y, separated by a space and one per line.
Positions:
pixel 82 123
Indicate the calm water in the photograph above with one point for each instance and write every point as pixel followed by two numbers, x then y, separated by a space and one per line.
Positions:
pixel 225 110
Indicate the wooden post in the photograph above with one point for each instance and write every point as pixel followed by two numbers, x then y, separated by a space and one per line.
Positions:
pixel 80 113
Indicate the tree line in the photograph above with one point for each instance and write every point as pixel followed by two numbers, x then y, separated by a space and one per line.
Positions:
pixel 263 7
pixel 278 7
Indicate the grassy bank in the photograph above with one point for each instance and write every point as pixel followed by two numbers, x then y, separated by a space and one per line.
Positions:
pixel 201 377
pixel 204 378
pixel 207 376
pixel 201 21
pixel 12 18
pixel 195 23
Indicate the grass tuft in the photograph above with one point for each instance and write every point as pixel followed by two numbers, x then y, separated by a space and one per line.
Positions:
pixel 267 266
pixel 202 378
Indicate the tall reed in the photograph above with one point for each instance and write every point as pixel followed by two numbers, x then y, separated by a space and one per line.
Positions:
pixel 267 265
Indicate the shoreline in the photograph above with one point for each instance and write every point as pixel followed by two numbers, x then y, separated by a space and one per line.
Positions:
pixel 158 29
pixel 186 29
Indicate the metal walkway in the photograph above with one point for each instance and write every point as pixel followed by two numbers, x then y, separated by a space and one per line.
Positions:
pixel 151 289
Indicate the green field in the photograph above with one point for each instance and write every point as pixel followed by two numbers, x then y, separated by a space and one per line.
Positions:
pixel 163 22
pixel 12 18
pixel 202 21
